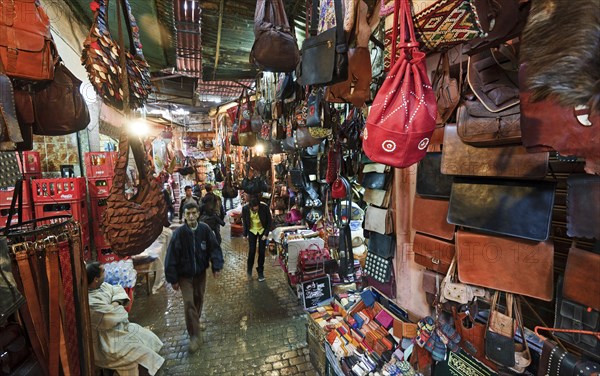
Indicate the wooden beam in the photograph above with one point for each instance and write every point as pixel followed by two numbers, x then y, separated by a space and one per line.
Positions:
pixel 219 29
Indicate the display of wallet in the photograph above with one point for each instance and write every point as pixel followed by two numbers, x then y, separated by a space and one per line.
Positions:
pixel 430 217
pixel 430 180
pixel 378 267
pixel 508 207
pixel 583 206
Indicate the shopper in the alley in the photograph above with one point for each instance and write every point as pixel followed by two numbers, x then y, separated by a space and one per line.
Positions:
pixel 192 249
pixel 119 345
pixel 188 198
pixel 257 221
pixel 212 211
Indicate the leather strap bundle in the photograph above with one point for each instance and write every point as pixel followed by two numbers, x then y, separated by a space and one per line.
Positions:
pixel 26 47
pixel 325 56
pixel 509 161
pixel 494 261
pixel 583 206
pixel 132 225
pixel 274 48
pixel 402 117
pixel 101 54
pixel 508 207
pixel 10 133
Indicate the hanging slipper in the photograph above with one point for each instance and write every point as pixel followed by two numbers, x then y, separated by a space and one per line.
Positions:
pixel 439 348
pixel 450 333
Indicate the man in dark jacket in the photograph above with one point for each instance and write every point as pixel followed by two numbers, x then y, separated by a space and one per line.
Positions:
pixel 188 198
pixel 212 211
pixel 192 247
pixel 257 221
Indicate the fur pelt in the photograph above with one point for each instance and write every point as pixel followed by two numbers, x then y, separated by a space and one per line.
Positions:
pixel 561 45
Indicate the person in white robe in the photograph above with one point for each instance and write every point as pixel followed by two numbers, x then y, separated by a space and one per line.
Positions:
pixel 119 345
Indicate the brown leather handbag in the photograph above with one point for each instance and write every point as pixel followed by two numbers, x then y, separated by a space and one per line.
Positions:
pixel 132 225
pixel 447 90
pixel 433 253
pixel 58 107
pixel 478 126
pixel 494 261
pixel 509 161
pixel 26 47
pixel 274 47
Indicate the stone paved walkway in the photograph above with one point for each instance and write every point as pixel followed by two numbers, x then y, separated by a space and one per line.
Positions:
pixel 253 328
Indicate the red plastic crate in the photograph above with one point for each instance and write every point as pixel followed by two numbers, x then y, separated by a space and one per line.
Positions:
pixel 32 162
pixel 7 195
pixel 4 210
pixel 105 255
pixel 98 205
pixel 99 239
pixel 58 190
pixel 100 163
pixel 99 187
pixel 77 209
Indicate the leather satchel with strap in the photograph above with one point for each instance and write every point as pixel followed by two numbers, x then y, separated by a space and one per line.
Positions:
pixel 26 46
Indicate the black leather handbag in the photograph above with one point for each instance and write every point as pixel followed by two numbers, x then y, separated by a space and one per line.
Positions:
pixel 376 180
pixel 508 207
pixel 382 245
pixel 325 56
pixel 431 182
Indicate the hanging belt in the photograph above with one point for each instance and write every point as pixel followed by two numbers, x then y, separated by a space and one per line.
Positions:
pixel 82 307
pixel 68 307
pixel 51 248
pixel 31 311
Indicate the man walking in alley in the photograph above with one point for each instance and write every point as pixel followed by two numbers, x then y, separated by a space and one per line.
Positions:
pixel 257 221
pixel 192 248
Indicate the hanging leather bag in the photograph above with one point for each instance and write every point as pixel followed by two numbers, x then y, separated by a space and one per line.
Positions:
pixel 132 225
pixel 275 48
pixel 478 126
pixel 58 107
pixel 402 117
pixel 26 47
pixel 500 332
pixel 325 56
pixel 447 90
pixel 101 53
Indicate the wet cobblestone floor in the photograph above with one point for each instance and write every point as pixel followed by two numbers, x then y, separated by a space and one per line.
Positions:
pixel 253 328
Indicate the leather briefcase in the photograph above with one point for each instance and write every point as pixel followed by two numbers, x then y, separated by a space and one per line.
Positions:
pixel 432 253
pixel 509 161
pixel 429 217
pixel 582 279
pixel 495 261
pixel 431 182
pixel 583 206
pixel 507 207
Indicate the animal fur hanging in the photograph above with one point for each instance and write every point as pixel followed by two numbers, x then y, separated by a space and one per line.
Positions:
pixel 561 45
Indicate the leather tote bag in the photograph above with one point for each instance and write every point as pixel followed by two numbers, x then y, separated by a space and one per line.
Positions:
pixel 132 225
pixel 275 48
pixel 499 336
pixel 507 207
pixel 59 106
pixel 402 117
pixel 26 46
pixel 325 56
pixel 583 206
pixel 494 261
pixel 101 54
pixel 508 161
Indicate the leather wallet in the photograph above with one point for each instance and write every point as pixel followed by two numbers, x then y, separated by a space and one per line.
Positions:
pixel 384 319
